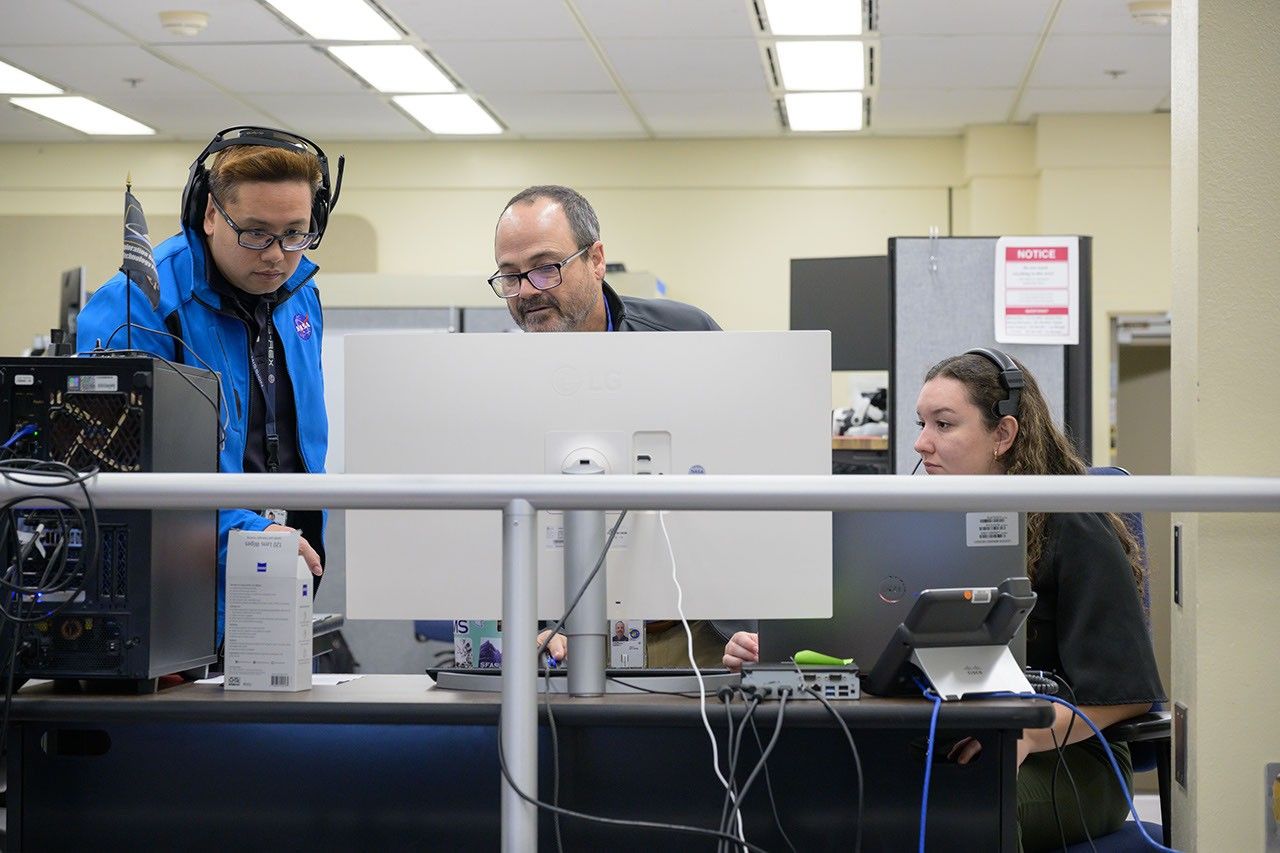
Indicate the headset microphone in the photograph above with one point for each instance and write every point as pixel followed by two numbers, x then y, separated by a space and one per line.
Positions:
pixel 918 464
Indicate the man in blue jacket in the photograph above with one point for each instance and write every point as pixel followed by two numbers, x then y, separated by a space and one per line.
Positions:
pixel 237 296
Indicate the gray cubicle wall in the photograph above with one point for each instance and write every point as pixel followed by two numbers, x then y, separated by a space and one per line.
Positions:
pixel 488 320
pixel 944 306
pixel 380 646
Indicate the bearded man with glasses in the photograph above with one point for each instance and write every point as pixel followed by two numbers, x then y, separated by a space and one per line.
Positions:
pixel 235 294
pixel 551 272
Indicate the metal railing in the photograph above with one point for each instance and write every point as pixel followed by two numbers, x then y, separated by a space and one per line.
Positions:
pixel 519 498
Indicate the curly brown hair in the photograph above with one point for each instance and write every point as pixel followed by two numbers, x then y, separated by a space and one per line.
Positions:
pixel 1038 448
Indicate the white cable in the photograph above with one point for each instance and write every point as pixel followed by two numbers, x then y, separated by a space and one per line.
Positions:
pixel 697 673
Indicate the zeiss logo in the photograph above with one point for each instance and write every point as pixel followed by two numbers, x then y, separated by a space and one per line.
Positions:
pixel 570 380
pixel 262 567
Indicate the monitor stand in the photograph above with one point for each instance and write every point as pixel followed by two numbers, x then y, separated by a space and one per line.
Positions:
pixel 587 627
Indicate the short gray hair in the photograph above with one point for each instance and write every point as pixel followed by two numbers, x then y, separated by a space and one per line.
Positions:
pixel 583 223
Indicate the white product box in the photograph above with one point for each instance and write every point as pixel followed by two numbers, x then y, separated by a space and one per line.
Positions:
pixel 268 627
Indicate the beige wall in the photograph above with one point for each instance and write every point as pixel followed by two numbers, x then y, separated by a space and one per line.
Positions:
pixel 717 221
pixel 1224 353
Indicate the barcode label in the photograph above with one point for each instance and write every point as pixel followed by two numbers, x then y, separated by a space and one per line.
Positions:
pixel 992 528
pixel 279 681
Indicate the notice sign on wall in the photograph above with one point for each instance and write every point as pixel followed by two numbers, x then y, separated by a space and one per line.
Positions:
pixel 1037 290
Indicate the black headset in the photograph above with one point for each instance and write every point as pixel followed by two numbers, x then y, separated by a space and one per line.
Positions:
pixel 1011 380
pixel 196 192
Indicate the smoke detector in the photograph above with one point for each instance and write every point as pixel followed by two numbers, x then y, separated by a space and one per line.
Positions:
pixel 184 23
pixel 1155 12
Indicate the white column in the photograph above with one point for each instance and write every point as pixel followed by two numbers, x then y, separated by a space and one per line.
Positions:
pixel 1226 404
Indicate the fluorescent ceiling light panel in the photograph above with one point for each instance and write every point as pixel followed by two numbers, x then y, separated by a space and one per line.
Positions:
pixel 823 66
pixel 814 17
pixel 817 111
pixel 394 68
pixel 337 20
pixel 15 81
pixel 449 114
pixel 84 115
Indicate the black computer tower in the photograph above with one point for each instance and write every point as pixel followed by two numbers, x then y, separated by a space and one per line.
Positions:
pixel 148 606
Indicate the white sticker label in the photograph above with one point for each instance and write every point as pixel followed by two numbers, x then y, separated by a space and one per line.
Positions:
pixel 553 534
pixel 991 528
pixel 93 383
pixel 24 379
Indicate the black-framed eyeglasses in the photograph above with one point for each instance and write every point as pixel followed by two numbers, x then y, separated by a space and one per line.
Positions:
pixel 259 240
pixel 545 277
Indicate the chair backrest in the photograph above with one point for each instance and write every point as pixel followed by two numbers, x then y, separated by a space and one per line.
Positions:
pixel 1143 754
pixel 1133 521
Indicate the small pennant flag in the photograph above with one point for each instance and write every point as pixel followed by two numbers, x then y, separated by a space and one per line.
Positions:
pixel 138 264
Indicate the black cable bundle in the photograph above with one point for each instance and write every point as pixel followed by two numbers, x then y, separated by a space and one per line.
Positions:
pixel 23 600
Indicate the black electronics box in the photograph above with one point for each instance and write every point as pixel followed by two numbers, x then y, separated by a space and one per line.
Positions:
pixel 148 607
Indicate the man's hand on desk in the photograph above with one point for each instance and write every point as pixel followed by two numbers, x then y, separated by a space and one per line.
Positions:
pixel 558 648
pixel 743 647
pixel 304 549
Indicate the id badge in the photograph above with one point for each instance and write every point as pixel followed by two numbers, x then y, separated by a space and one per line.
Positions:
pixel 276 516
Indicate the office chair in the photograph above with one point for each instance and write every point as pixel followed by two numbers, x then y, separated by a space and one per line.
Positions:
pixel 1148 734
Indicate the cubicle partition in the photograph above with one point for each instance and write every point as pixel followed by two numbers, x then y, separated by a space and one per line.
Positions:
pixel 943 303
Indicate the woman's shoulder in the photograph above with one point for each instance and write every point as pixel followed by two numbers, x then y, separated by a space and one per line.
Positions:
pixel 1088 525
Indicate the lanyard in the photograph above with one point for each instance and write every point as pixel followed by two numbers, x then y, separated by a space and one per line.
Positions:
pixel 268 386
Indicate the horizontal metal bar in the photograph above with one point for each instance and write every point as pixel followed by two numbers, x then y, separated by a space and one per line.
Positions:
pixel 722 492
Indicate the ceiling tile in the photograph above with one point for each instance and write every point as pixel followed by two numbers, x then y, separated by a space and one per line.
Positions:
pixel 913 110
pixel 340 116
pixel 187 116
pixel 278 69
pixel 1082 17
pixel 565 115
pixel 547 66
pixel 691 67
pixel 19 125
pixel 516 20
pixel 989 17
pixel 52 22
pixel 99 71
pixel 709 113
pixel 1041 101
pixel 936 62
pixel 229 21
pixel 675 19
pixel 687 65
pixel 1081 61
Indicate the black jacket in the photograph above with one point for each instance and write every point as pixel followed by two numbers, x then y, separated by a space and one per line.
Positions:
pixel 633 314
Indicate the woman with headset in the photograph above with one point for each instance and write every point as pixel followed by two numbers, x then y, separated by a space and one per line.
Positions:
pixel 983 413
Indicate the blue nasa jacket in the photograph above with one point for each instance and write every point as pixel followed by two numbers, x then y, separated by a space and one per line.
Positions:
pixel 192 310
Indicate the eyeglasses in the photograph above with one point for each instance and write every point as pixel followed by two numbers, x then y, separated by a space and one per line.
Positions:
pixel 259 240
pixel 545 277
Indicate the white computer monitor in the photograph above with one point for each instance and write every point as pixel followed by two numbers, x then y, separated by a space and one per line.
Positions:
pixel 713 402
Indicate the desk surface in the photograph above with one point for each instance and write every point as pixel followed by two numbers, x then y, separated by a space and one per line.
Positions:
pixel 859 442
pixel 397 762
pixel 411 699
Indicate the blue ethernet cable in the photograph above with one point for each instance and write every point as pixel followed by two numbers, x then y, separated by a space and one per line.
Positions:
pixel 1106 748
pixel 928 758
